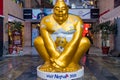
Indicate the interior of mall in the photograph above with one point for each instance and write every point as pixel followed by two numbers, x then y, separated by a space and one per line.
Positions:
pixel 20 26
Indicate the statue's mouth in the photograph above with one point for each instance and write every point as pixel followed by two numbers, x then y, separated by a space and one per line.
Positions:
pixel 59 15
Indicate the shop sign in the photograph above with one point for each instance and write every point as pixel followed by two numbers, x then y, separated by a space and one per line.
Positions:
pixel 94 13
pixel 27 13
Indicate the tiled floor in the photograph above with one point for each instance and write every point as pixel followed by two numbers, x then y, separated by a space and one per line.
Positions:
pixel 24 67
pixel 104 68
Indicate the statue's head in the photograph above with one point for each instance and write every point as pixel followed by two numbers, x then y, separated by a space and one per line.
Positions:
pixel 60 11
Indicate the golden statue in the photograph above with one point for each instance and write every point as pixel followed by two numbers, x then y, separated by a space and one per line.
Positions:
pixel 61 44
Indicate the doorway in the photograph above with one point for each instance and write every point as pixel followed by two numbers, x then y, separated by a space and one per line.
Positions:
pixel 1 36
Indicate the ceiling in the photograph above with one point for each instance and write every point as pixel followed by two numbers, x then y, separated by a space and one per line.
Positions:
pixel 49 4
pixel 41 3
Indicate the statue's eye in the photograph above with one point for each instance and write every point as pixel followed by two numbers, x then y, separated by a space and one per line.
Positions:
pixel 63 8
pixel 56 8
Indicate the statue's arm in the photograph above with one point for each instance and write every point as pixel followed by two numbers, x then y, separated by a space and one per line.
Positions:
pixel 73 44
pixel 49 44
pixel 66 56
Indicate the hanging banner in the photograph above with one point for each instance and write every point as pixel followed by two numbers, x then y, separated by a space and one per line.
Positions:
pixel 40 13
pixel 1 7
pixel 83 13
pixel 36 13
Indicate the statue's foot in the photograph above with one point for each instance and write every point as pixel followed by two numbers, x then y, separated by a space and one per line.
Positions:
pixel 72 67
pixel 47 67
pixel 52 67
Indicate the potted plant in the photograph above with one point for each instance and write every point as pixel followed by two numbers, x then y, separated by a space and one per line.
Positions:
pixel 13 27
pixel 106 28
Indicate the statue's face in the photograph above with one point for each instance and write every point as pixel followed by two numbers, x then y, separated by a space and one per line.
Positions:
pixel 60 12
pixel 60 9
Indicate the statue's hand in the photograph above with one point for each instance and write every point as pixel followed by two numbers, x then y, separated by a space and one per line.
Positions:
pixel 57 66
pixel 52 59
pixel 54 64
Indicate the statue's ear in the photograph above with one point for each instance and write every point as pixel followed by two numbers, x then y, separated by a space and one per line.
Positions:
pixel 67 8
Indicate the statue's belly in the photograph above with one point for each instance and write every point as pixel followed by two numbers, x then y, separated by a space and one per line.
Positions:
pixel 67 35
pixel 61 38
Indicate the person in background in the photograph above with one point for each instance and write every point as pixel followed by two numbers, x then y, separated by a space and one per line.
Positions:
pixel 91 41
pixel 83 60
pixel 89 36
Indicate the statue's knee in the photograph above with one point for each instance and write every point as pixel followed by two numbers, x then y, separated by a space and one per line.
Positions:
pixel 85 40
pixel 38 41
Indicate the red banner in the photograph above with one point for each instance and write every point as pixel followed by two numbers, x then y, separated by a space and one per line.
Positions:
pixel 1 7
